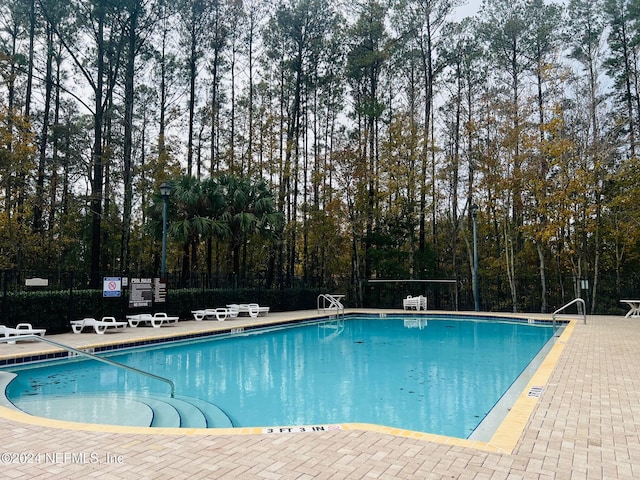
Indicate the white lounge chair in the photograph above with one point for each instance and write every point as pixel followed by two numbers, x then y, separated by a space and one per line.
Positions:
pixel 22 329
pixel 234 310
pixel 251 309
pixel 222 313
pixel 99 326
pixel 156 320
pixel 199 315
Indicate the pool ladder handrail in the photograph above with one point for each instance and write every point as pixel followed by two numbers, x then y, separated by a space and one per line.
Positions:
pixel 329 303
pixel 581 311
pixel 93 356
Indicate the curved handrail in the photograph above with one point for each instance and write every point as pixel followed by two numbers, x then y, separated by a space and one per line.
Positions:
pixel 330 302
pixel 91 355
pixel 576 300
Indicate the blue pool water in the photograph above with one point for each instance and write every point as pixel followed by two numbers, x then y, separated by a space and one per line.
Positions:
pixel 440 376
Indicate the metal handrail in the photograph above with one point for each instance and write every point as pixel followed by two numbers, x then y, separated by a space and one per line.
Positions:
pixel 334 303
pixel 576 300
pixel 91 355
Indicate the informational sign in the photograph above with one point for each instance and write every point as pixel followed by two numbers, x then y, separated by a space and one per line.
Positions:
pixel 112 287
pixel 36 282
pixel 140 293
pixel 160 290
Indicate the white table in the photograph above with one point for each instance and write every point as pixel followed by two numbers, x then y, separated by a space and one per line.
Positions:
pixel 634 308
pixel 414 303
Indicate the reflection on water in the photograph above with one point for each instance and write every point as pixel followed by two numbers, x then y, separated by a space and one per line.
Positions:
pixel 415 323
pixel 329 330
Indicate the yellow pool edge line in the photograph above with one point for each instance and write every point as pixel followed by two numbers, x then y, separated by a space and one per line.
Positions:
pixel 504 439
pixel 510 430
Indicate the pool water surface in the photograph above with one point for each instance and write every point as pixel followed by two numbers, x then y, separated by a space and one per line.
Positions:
pixel 436 375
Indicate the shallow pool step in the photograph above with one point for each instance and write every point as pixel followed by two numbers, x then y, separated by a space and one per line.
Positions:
pixel 185 412
pixel 164 414
pixel 189 415
pixel 215 417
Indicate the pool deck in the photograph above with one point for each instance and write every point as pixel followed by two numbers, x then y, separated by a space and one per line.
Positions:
pixel 585 424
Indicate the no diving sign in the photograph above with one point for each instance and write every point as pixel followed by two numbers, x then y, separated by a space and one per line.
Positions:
pixel 111 287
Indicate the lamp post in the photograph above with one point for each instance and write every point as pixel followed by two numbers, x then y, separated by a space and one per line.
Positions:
pixel 476 295
pixel 165 191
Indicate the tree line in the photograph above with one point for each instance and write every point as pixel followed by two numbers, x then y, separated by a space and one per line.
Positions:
pixel 319 140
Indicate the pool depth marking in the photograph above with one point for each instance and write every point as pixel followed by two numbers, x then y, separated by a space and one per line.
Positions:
pixel 535 392
pixel 307 429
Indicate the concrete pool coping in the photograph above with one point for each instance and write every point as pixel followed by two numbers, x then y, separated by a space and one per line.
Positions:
pixel 361 438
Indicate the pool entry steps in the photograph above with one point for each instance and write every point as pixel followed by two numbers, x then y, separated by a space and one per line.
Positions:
pixel 153 411
pixel 185 412
pixel 130 410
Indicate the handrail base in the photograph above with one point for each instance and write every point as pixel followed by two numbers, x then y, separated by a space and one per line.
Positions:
pixel 580 302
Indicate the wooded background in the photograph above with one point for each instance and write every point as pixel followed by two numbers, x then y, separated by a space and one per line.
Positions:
pixel 325 143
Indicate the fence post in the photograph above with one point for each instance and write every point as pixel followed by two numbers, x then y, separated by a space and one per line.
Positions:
pixel 4 294
pixel 70 302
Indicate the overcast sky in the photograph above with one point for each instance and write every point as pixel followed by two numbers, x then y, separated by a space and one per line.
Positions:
pixel 469 8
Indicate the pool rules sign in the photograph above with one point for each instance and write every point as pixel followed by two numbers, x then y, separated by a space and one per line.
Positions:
pixel 144 292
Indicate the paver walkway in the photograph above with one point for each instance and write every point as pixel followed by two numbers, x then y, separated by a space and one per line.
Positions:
pixel 586 425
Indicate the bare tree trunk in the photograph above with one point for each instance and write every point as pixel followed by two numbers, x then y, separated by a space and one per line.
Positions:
pixel 32 30
pixel 42 158
pixel 510 267
pixel 543 278
pixel 96 186
pixel 128 139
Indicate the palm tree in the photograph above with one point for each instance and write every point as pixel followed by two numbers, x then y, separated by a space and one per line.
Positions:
pixel 249 209
pixel 194 205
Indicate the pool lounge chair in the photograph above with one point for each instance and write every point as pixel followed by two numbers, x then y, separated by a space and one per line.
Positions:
pixel 21 330
pixel 156 320
pixel 234 310
pixel 199 315
pixel 219 314
pixel 99 326
pixel 251 309
pixel 222 313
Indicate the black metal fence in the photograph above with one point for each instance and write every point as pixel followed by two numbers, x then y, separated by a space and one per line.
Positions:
pixel 55 297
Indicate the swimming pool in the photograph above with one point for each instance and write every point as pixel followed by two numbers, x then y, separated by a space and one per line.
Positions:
pixel 437 375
